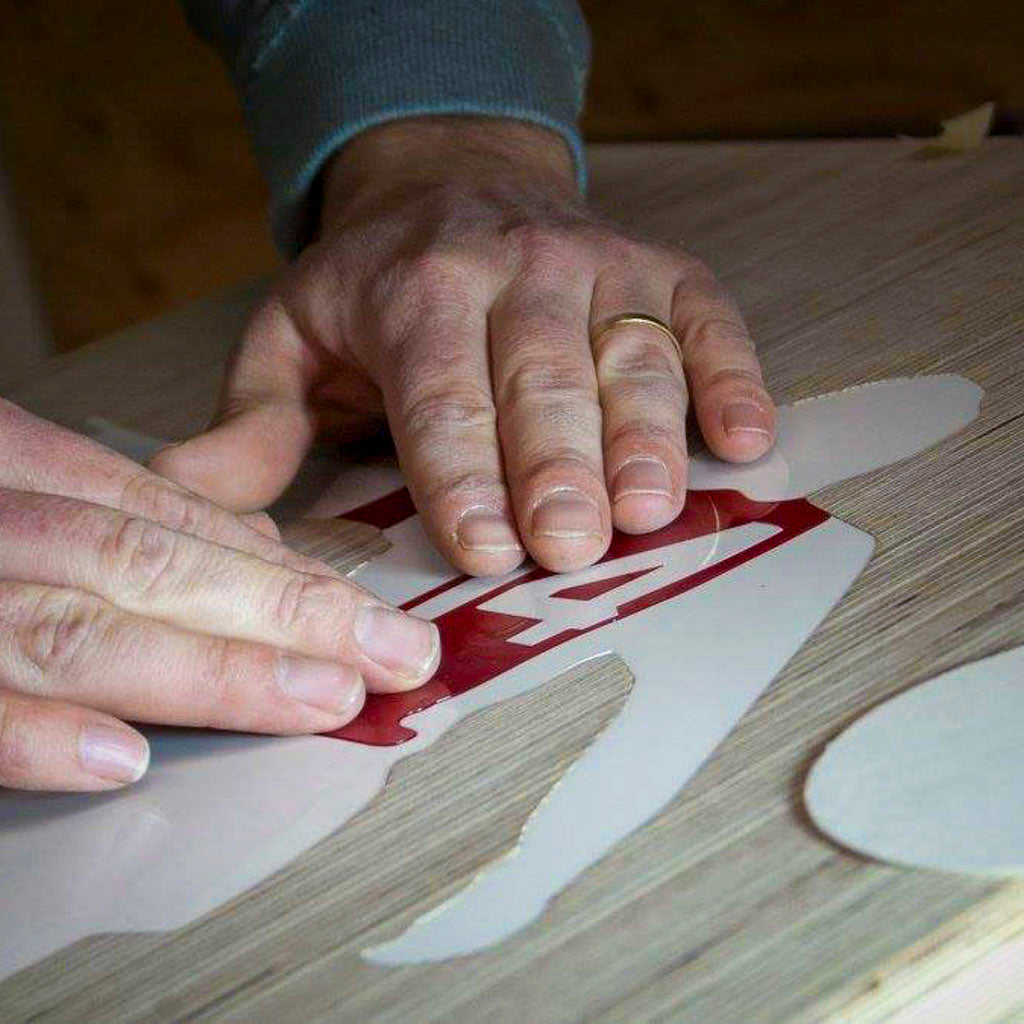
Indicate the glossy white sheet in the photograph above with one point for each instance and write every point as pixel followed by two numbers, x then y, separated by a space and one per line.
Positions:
pixel 698 662
pixel 933 777
pixel 846 433
pixel 218 813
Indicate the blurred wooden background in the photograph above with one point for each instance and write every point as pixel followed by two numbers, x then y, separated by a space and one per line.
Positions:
pixel 135 190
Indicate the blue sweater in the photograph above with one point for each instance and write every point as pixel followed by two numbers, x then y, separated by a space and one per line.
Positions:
pixel 312 73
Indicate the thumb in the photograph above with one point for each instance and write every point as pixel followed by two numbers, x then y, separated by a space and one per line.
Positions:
pixel 264 428
pixel 245 460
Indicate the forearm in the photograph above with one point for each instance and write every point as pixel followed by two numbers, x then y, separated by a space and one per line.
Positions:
pixel 314 76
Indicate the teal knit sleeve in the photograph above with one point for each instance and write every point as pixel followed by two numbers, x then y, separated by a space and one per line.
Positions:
pixel 311 74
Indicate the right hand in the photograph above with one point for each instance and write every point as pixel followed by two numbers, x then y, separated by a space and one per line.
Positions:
pixel 125 596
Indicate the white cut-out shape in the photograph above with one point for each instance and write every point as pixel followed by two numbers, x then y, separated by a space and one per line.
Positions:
pixel 834 437
pixel 217 814
pixel 698 662
pixel 233 809
pixel 412 567
pixel 935 776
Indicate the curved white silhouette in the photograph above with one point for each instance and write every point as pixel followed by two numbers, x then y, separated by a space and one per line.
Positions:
pixel 218 813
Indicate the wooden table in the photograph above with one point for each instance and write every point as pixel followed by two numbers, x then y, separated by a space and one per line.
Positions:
pixel 853 261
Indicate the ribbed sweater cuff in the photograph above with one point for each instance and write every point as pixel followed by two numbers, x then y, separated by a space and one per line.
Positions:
pixel 324 72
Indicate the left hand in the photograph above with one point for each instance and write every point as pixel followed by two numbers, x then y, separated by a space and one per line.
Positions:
pixel 453 290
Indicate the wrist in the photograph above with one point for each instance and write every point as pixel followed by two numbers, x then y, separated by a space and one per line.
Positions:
pixel 418 154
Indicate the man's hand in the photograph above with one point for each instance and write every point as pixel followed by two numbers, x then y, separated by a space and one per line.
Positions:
pixel 123 596
pixel 453 289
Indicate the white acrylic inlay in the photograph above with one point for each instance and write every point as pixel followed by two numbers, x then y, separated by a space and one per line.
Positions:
pixel 698 662
pixel 935 776
pixel 218 813
pixel 834 437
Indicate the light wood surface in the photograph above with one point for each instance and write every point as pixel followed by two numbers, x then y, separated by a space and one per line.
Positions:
pixel 853 261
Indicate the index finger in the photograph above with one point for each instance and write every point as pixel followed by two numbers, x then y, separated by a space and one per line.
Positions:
pixel 148 570
pixel 49 459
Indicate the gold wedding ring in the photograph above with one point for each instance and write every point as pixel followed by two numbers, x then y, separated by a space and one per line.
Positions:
pixel 612 322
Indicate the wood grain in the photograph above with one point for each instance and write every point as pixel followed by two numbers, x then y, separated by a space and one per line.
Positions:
pixel 853 261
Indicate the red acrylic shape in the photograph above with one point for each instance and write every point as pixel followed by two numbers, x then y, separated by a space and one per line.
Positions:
pixel 475 645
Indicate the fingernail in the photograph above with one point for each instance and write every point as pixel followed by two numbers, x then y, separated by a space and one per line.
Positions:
pixel 745 417
pixel 399 642
pixel 567 514
pixel 642 475
pixel 481 530
pixel 115 754
pixel 323 684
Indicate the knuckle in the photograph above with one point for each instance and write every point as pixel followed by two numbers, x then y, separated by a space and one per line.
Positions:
pixel 696 274
pixel 657 394
pixel 385 291
pixel 435 271
pixel 717 332
pixel 637 352
pixel 54 637
pixel 464 489
pixel 303 605
pixel 541 322
pixel 152 498
pixel 212 681
pixel 548 379
pixel 626 262
pixel 263 523
pixel 542 246
pixel 432 361
pixel 417 296
pixel 561 463
pixel 732 378
pixel 636 256
pixel 29 515
pixel 643 434
pixel 141 555
pixel 458 410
